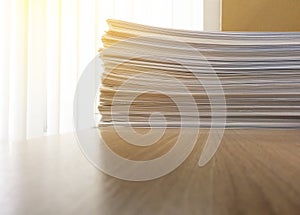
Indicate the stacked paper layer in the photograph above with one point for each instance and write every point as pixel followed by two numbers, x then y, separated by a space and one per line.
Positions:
pixel 157 77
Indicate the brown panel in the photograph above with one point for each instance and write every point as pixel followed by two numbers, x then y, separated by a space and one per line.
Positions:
pixel 260 15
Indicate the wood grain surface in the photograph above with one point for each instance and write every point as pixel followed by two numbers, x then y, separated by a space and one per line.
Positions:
pixel 253 172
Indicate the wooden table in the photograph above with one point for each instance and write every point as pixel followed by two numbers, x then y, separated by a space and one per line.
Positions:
pixel 253 172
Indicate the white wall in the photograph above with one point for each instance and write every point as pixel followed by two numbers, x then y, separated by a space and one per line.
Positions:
pixel 212 15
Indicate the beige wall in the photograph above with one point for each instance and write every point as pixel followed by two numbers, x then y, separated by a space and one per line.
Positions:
pixel 261 15
pixel 212 18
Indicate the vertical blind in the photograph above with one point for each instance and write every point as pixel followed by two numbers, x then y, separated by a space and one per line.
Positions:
pixel 46 44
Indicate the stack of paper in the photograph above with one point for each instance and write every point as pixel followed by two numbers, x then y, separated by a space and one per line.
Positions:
pixel 157 77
